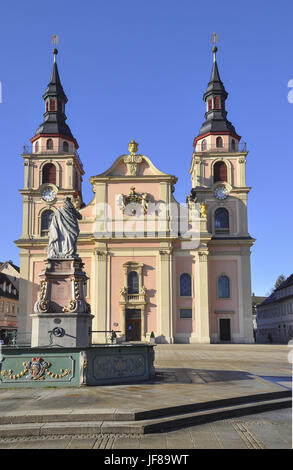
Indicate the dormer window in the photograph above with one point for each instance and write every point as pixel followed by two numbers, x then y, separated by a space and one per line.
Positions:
pixel 217 102
pixel 52 105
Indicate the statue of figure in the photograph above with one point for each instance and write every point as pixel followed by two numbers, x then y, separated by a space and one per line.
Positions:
pixel 203 210
pixel 63 232
pixel 144 202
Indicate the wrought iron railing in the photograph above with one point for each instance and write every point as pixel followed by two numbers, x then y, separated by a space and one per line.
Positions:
pixel 55 149
pixel 238 147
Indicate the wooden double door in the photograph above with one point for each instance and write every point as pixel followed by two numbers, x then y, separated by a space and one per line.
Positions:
pixel 133 324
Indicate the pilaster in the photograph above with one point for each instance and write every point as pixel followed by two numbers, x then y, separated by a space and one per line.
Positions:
pixel 201 290
pixel 165 310
pixel 101 289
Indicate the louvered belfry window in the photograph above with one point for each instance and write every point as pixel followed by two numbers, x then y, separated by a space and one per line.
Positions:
pixel 220 172
pixel 49 173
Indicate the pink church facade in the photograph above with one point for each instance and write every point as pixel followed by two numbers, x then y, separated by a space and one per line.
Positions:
pixel 155 267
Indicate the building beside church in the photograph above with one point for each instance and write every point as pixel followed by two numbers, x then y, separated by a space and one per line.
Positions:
pixel 274 316
pixel 8 308
pixel 154 265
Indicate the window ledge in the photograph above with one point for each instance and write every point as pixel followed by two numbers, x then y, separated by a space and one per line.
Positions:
pixel 224 312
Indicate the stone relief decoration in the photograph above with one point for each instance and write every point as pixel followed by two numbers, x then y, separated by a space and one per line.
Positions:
pixel 35 369
pixel 78 304
pixel 125 202
pixel 127 366
pixel 43 305
pixel 132 161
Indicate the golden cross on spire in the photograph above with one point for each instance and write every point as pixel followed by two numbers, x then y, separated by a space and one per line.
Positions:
pixel 214 41
pixel 54 42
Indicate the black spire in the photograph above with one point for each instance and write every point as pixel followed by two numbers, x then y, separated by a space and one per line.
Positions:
pixel 55 100
pixel 215 97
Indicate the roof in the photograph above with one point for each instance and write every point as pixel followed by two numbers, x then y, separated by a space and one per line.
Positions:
pixel 273 297
pixel 10 295
pixel 54 123
pixel 11 263
pixel 216 118
pixel 257 299
pixel 288 282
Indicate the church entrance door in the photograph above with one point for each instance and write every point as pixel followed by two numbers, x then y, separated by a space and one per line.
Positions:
pixel 225 329
pixel 133 324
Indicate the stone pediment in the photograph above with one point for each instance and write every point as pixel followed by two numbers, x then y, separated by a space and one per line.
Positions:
pixel 132 165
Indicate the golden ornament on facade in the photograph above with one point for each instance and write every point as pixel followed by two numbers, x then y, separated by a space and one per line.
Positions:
pixel 203 210
pixel 133 147
pixel 71 307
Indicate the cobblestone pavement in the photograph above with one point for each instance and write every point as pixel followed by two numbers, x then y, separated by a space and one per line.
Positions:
pixel 185 374
pixel 270 430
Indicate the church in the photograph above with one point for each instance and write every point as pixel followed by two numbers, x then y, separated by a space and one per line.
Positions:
pixel 155 268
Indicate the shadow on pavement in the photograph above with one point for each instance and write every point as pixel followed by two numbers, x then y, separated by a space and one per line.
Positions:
pixel 186 376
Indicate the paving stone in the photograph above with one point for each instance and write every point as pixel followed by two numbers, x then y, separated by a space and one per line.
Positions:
pixel 54 443
pixel 179 440
pixel 153 441
pixel 122 442
pixel 81 443
pixel 269 436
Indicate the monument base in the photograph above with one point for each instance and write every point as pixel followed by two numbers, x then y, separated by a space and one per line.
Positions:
pixel 68 330
pixel 62 315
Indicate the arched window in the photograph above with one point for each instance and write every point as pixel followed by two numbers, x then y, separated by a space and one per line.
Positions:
pixel 59 105
pixel 233 146
pixel 203 145
pixel 47 106
pixel 221 219
pixel 219 142
pixel 220 172
pixel 52 105
pixel 49 173
pixel 132 282
pixel 185 285
pixel 217 102
pixel 210 104
pixel 49 144
pixel 223 287
pixel 36 147
pixel 65 146
pixel 46 220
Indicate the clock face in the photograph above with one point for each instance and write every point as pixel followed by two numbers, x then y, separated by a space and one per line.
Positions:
pixel 221 192
pixel 48 194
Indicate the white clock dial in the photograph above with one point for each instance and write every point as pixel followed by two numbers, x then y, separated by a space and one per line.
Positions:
pixel 48 194
pixel 221 192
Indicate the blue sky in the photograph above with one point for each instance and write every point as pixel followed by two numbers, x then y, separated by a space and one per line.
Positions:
pixel 138 69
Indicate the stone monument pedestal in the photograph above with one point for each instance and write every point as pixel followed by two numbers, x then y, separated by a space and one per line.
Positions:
pixel 61 315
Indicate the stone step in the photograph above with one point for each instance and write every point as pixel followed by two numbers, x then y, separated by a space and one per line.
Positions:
pixel 141 426
pixel 112 414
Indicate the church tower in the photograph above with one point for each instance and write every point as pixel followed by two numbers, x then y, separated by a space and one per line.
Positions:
pixel 53 171
pixel 218 173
